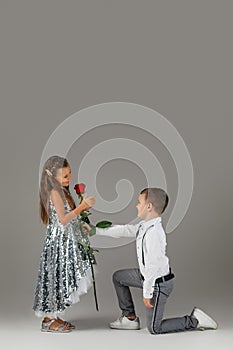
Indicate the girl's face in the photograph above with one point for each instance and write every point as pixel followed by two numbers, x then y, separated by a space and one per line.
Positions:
pixel 63 176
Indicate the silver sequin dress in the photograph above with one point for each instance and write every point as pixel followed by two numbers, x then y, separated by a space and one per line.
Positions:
pixel 65 271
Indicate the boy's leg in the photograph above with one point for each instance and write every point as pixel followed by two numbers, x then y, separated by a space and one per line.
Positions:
pixel 155 322
pixel 123 279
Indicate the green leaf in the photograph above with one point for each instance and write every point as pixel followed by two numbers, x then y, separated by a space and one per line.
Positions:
pixel 93 231
pixel 85 246
pixel 79 225
pixel 104 224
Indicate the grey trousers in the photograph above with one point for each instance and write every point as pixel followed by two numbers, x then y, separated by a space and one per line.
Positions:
pixel 123 279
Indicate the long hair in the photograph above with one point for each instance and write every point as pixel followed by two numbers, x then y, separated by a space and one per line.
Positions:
pixel 48 182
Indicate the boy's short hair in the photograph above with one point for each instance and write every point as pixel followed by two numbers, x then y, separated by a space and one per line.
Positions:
pixel 157 197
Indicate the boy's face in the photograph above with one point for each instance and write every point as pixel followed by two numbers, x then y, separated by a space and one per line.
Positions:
pixel 142 206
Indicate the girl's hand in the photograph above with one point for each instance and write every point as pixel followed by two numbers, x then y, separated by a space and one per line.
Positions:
pixel 86 229
pixel 88 202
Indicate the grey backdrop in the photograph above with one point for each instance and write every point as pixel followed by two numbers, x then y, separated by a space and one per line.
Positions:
pixel 58 57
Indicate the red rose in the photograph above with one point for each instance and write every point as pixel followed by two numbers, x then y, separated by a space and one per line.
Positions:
pixel 80 188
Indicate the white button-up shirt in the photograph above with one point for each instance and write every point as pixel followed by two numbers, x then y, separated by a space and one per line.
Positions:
pixel 150 243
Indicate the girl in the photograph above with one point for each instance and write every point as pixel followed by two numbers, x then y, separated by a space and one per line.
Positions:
pixel 64 272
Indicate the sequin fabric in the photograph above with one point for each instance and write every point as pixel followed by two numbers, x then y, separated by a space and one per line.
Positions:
pixel 64 265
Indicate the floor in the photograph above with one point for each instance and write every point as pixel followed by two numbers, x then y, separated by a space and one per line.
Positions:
pixel 94 333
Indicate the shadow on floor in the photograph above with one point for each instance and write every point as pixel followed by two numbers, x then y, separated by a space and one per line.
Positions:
pixel 92 323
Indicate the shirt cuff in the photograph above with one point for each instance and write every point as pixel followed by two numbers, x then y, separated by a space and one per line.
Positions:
pixel 147 294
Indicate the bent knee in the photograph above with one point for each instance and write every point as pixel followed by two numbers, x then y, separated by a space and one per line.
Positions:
pixel 154 330
pixel 115 276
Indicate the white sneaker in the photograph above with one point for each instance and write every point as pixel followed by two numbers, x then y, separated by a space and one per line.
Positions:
pixel 204 321
pixel 124 323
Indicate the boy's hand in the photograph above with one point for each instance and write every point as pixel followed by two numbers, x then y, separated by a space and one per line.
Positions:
pixel 86 228
pixel 147 303
pixel 89 230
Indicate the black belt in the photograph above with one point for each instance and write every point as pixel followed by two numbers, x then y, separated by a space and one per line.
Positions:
pixel 165 278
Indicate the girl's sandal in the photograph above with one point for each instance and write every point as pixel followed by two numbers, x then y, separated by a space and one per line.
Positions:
pixel 70 325
pixel 60 328
pixel 66 323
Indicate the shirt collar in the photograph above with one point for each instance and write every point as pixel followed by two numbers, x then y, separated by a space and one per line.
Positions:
pixel 146 224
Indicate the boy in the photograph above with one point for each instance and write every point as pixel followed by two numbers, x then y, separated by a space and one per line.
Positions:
pixel 154 275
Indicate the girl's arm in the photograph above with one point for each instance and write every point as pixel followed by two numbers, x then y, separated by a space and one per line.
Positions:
pixel 65 217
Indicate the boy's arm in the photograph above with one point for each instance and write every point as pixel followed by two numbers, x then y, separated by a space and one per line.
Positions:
pixel 118 231
pixel 154 248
